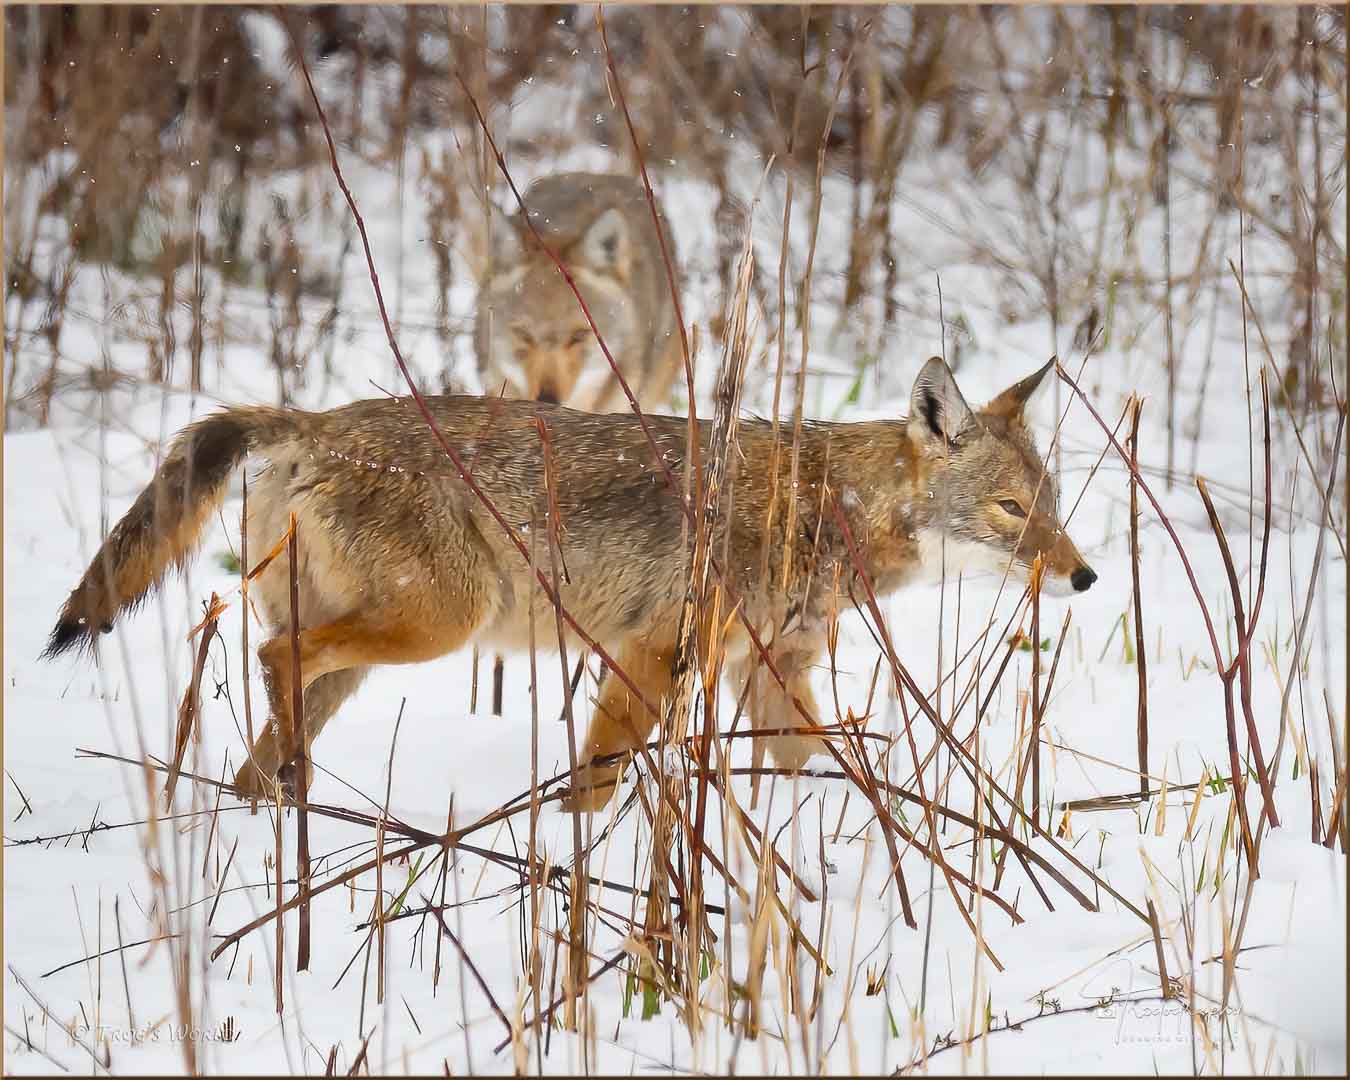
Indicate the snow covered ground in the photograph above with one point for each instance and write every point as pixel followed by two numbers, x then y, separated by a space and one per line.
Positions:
pixel 1078 989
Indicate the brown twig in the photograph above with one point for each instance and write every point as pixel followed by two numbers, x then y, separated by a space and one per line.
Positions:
pixel 243 623
pixel 553 530
pixel 473 968
pixel 1140 648
pixel 296 737
pixel 189 712
pixel 1037 570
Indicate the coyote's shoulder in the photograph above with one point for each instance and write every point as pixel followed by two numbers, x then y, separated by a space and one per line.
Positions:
pixel 531 336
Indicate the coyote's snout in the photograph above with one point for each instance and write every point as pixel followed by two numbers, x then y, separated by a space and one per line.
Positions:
pixel 531 336
pixel 399 561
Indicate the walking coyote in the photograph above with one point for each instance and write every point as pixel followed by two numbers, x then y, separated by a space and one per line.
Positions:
pixel 400 562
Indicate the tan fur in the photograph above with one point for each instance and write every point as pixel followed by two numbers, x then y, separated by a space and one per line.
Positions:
pixel 399 561
pixel 531 336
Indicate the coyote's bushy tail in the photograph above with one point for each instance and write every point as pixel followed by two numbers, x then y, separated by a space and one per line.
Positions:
pixel 162 527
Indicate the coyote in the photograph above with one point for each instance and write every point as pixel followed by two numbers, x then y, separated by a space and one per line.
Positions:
pixel 400 562
pixel 531 336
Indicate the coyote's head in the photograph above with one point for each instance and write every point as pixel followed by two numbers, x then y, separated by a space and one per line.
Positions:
pixel 533 339
pixel 991 502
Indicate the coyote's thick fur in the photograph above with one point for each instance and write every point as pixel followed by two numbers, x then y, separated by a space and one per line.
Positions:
pixel 531 336
pixel 400 562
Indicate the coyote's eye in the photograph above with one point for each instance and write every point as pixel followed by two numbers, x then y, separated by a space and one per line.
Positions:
pixel 524 337
pixel 578 338
pixel 1011 507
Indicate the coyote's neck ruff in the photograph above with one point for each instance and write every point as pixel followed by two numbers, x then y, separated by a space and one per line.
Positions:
pixel 399 561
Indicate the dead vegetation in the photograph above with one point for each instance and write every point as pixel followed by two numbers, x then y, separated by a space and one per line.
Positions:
pixel 821 93
pixel 151 146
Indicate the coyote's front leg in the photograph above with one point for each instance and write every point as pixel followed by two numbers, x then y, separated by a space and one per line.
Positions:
pixel 620 722
pixel 772 707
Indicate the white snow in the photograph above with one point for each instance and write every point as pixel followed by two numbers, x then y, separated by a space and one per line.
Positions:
pixel 66 483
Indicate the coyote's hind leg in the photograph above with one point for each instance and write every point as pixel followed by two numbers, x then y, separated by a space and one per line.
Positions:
pixel 323 697
pixel 356 641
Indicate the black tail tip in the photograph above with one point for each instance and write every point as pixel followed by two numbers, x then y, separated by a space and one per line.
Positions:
pixel 70 633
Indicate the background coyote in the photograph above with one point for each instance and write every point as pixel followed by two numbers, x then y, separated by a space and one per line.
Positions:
pixel 400 562
pixel 531 337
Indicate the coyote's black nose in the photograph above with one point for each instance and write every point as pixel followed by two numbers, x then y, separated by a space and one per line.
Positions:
pixel 1082 579
pixel 548 396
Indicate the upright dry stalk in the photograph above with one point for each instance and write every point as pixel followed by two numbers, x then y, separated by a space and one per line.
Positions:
pixel 189 712
pixel 1241 668
pixel 498 683
pixel 1166 110
pixel 1325 526
pixel 699 656
pixel 279 909
pixel 576 952
pixel 534 966
pixel 1037 572
pixel 660 239
pixel 245 607
pixel 781 354
pixel 299 757
pixel 798 416
pixel 1140 650
pixel 196 182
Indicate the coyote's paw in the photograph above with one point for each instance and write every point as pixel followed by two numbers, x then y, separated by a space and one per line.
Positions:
pixel 591 790
pixel 250 784
pixel 793 751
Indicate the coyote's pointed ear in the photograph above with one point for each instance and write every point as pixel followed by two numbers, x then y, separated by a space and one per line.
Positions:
pixel 1012 401
pixel 936 408
pixel 605 246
